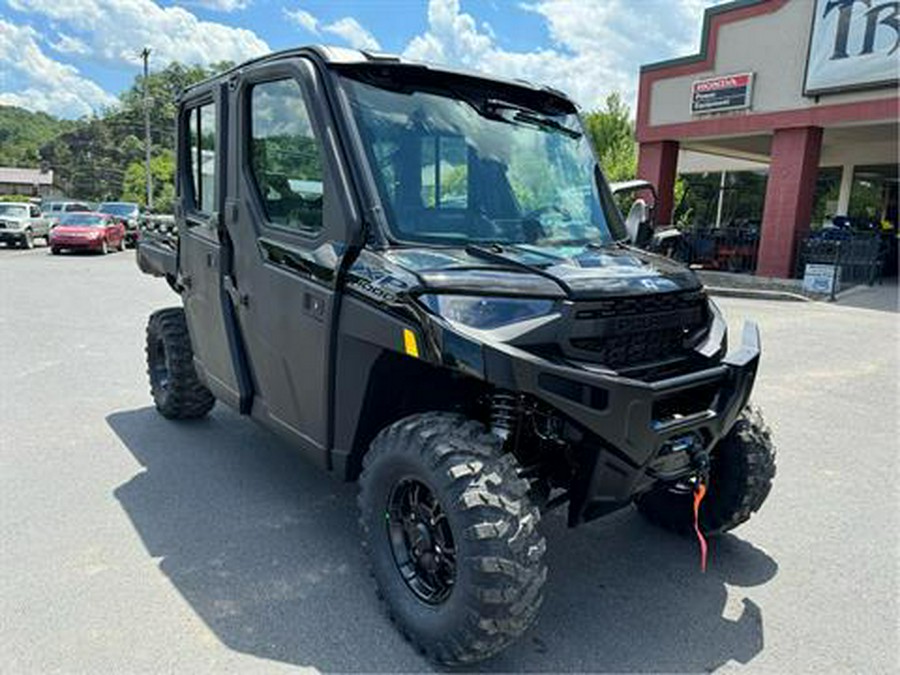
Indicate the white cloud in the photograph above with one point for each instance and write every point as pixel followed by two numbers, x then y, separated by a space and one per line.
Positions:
pixel 303 19
pixel 597 45
pixel 350 30
pixel 221 5
pixel 30 79
pixel 67 44
pixel 116 30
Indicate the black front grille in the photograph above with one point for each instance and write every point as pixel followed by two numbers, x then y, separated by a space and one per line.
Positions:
pixel 642 304
pixel 632 331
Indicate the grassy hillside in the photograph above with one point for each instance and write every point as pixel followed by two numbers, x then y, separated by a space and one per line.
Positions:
pixel 22 133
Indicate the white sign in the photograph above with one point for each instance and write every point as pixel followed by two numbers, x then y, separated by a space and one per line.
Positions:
pixel 853 45
pixel 824 279
pixel 726 92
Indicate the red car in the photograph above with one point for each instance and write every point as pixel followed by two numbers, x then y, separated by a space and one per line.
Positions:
pixel 88 231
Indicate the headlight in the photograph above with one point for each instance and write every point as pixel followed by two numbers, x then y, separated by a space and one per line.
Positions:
pixel 485 313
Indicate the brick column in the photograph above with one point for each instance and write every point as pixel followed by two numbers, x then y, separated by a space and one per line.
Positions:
pixel 658 163
pixel 789 198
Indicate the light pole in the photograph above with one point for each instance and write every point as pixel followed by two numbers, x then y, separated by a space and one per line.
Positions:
pixel 145 54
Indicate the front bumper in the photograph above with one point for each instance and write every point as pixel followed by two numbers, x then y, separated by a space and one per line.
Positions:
pixel 15 236
pixel 638 432
pixel 73 243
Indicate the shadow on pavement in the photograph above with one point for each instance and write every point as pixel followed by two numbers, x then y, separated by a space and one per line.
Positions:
pixel 264 548
pixel 884 297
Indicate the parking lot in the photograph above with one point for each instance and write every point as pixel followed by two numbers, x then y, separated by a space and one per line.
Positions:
pixel 136 544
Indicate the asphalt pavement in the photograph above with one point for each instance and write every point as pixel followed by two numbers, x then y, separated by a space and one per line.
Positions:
pixel 134 544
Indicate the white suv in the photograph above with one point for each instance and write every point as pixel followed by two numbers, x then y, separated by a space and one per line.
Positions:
pixel 21 223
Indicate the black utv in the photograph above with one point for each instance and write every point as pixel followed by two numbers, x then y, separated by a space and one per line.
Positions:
pixel 420 279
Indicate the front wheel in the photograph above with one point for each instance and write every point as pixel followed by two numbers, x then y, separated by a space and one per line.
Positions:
pixel 452 537
pixel 28 240
pixel 104 247
pixel 177 391
pixel 742 466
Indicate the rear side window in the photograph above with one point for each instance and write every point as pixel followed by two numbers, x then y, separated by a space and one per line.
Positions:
pixel 285 157
pixel 201 123
pixel 445 172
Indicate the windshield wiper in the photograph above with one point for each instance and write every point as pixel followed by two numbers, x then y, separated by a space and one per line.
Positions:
pixel 494 253
pixel 493 108
pixel 546 123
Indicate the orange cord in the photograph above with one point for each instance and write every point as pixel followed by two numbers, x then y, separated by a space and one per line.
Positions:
pixel 699 494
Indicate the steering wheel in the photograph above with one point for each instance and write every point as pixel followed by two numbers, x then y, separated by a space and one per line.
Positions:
pixel 532 227
pixel 537 213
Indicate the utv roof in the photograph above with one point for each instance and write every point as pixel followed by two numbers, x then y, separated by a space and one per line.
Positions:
pixel 342 56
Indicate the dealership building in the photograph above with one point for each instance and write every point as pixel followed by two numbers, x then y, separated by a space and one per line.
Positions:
pixel 799 89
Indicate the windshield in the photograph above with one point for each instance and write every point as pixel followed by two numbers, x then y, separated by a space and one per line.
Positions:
pixel 466 167
pixel 118 209
pixel 82 220
pixel 14 210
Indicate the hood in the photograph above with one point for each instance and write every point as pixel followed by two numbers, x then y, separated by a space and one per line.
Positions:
pixel 575 272
pixel 17 221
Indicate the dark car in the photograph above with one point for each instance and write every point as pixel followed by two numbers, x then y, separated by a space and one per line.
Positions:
pixel 57 209
pixel 88 231
pixel 419 277
pixel 130 215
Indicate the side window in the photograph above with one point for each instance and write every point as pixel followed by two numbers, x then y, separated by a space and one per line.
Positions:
pixel 445 172
pixel 35 212
pixel 201 123
pixel 285 157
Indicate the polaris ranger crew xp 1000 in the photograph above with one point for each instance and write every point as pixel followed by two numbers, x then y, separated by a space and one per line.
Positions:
pixel 420 279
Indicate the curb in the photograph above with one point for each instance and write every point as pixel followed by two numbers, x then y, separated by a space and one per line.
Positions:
pixel 757 294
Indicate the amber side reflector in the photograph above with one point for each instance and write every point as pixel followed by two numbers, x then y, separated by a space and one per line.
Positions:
pixel 409 343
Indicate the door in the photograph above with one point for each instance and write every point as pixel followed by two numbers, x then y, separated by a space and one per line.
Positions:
pixel 38 222
pixel 200 190
pixel 289 224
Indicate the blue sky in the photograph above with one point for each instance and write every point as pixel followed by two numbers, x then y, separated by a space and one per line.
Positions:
pixel 72 57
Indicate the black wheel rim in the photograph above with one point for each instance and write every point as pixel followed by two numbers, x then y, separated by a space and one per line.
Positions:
pixel 159 372
pixel 421 541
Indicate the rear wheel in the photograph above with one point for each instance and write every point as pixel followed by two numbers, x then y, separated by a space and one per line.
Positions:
pixel 121 246
pixel 452 537
pixel 54 250
pixel 177 391
pixel 742 467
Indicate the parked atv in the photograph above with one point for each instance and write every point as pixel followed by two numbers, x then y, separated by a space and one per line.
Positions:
pixel 419 278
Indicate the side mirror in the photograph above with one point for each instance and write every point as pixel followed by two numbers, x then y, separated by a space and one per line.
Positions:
pixel 637 223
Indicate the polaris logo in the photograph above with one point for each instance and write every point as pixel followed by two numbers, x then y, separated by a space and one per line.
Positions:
pixel 643 322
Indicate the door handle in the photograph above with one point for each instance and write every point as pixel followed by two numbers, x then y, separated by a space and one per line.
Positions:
pixel 236 296
pixel 314 305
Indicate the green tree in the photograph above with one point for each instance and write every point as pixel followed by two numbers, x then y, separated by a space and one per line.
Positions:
pixel 162 169
pixel 612 131
pixel 22 133
pixel 91 156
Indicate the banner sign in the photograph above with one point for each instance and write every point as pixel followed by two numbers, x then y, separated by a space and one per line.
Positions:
pixel 853 45
pixel 824 279
pixel 727 92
